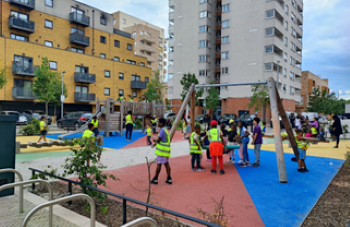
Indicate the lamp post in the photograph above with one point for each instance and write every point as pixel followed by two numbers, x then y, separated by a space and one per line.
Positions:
pixel 278 74
pixel 62 96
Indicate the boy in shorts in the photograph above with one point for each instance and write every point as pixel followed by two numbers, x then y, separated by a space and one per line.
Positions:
pixel 302 147
pixel 43 129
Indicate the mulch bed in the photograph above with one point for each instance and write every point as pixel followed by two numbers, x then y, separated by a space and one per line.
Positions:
pixel 114 215
pixel 333 207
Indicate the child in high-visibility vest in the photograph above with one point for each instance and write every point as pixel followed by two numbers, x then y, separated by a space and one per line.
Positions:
pixel 43 129
pixel 94 121
pixel 302 147
pixel 90 135
pixel 195 149
pixel 149 134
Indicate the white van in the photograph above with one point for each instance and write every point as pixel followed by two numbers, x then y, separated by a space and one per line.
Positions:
pixel 310 115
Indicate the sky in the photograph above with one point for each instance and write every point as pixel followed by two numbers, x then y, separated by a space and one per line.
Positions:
pixel 326 38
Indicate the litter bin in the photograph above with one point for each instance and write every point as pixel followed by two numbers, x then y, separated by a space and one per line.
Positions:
pixel 7 150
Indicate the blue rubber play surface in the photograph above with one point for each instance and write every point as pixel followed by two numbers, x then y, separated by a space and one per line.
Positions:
pixel 114 142
pixel 287 204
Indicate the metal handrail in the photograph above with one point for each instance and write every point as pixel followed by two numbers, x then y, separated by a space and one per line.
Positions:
pixel 7 186
pixel 20 178
pixel 61 200
pixel 143 220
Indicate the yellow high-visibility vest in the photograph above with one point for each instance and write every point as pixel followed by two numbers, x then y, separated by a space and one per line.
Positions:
pixel 214 135
pixel 193 146
pixel 149 132
pixel 95 123
pixel 163 148
pixel 89 134
pixel 301 144
pixel 128 119
pixel 313 131
pixel 42 125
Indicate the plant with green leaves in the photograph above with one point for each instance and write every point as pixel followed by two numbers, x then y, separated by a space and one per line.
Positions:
pixel 260 99
pixel 47 85
pixel 156 88
pixel 3 79
pixel 186 82
pixel 212 101
pixel 83 163
pixel 322 102
pixel 32 128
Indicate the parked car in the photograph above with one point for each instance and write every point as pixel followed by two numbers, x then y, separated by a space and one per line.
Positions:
pixel 30 114
pixel 225 119
pixel 170 115
pixel 74 120
pixel 200 118
pixel 247 118
pixel 22 120
pixel 322 120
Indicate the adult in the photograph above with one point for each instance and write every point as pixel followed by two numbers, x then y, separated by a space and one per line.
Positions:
pixel 154 121
pixel 206 121
pixel 244 136
pixel 336 130
pixel 121 97
pixel 292 120
pixel 298 122
pixel 131 99
pixel 129 125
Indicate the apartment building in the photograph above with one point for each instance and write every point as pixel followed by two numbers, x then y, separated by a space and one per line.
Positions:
pixel 98 60
pixel 309 83
pixel 149 40
pixel 227 41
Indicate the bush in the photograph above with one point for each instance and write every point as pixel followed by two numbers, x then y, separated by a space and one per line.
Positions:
pixel 32 128
pixel 138 123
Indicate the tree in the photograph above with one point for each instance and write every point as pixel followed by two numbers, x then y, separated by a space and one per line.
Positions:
pixel 156 88
pixel 47 85
pixel 212 100
pixel 3 79
pixel 315 102
pixel 328 104
pixel 260 99
pixel 186 82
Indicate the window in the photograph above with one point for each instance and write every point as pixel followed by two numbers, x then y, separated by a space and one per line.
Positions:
pixel 121 76
pixel 292 16
pixel 82 70
pixel 203 58
pixel 48 43
pixel 160 67
pixel 291 76
pixel 286 25
pixel 224 70
pixel 160 58
pixel 142 64
pixel 21 16
pixel 292 46
pixel 103 56
pixel 22 83
pixel 135 44
pixel 26 62
pixel 77 31
pixel 204 43
pixel 146 79
pixel 268 49
pixel 285 56
pixel 129 46
pixel 121 92
pixel 284 88
pixel 134 94
pixel 77 11
pixel 285 72
pixel 149 63
pixel 204 72
pixel 225 39
pixel 49 3
pixel 226 24
pixel 203 1
pixel 107 73
pixel 269 31
pixel 19 37
pixel 203 29
pixel 286 9
pixel 224 55
pixel 134 35
pixel 135 78
pixel 291 90
pixel 116 59
pixel 268 66
pixel 204 14
pixel 294 4
pixel 116 43
pixel 270 13
pixel 48 24
pixel 102 39
pixel 53 65
pixel 123 21
pixel 292 61
pixel 103 19
pixel 107 91
pixel 293 32
pixel 131 62
pixel 77 50
pixel 226 8
pixel 286 41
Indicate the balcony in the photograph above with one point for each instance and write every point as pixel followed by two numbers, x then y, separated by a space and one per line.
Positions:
pixel 218 70
pixel 138 85
pixel 147 48
pixel 121 33
pixel 79 19
pixel 79 39
pixel 21 25
pixel 171 29
pixel 27 4
pixel 84 97
pixel 218 41
pixel 171 2
pixel 171 43
pixel 218 27
pixel 22 69
pixel 84 78
pixel 217 56
pixel 171 56
pixel 171 16
pixel 23 93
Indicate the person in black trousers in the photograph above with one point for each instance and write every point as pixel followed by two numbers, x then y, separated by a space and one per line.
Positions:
pixel 336 130
pixel 129 125
pixel 292 120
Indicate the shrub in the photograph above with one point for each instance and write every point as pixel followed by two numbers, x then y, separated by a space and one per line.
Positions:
pixel 138 123
pixel 32 128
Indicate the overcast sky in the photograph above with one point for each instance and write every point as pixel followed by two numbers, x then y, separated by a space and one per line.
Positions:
pixel 326 39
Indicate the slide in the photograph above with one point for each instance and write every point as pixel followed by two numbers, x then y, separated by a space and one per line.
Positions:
pixel 81 129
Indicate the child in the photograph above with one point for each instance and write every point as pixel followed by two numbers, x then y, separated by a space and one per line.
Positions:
pixel 264 128
pixel 245 140
pixel 43 129
pixel 195 149
pixel 184 128
pixel 149 134
pixel 90 135
pixel 206 143
pixel 322 134
pixel 94 121
pixel 257 141
pixel 154 121
pixel 162 144
pixel 232 133
pixel 302 147
pixel 309 133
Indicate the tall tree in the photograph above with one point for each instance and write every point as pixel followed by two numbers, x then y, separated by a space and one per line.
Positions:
pixel 3 79
pixel 156 88
pixel 186 82
pixel 260 99
pixel 47 85
pixel 212 100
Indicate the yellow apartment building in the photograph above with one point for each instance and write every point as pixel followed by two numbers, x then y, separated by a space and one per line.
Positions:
pixel 98 60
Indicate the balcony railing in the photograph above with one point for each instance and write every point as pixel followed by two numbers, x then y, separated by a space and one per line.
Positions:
pixel 84 78
pixel 23 69
pixel 22 25
pixel 138 85
pixel 122 33
pixel 80 19
pixel 22 93
pixel 27 4
pixel 79 39
pixel 84 97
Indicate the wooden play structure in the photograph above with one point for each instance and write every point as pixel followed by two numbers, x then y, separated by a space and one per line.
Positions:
pixel 276 109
